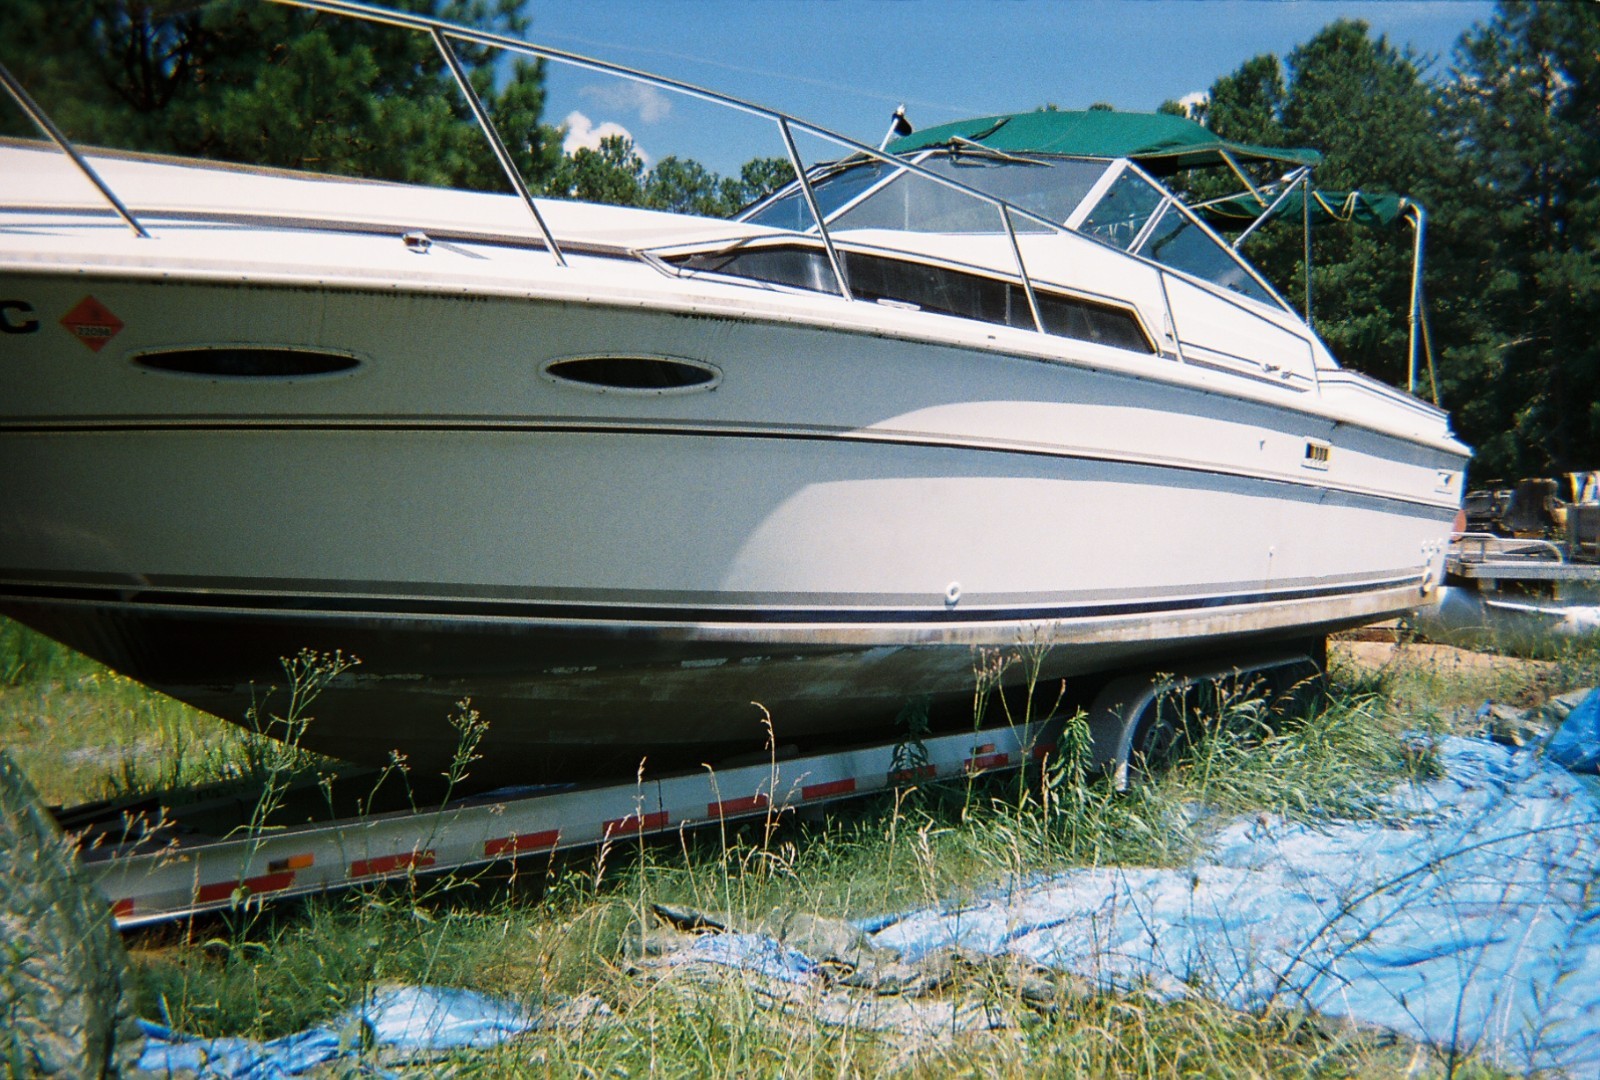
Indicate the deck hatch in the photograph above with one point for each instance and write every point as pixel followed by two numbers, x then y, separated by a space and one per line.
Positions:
pixel 246 362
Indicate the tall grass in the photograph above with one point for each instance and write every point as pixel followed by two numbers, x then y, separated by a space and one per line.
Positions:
pixel 572 928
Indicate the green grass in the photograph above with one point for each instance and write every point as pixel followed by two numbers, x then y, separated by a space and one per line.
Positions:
pixel 568 928
pixel 82 732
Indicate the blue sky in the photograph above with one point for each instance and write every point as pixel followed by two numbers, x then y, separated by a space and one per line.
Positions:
pixel 845 64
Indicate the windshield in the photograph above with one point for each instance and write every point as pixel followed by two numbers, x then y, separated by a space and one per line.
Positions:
pixel 1131 213
pixel 1179 242
pixel 1051 188
pixel 1119 217
pixel 834 186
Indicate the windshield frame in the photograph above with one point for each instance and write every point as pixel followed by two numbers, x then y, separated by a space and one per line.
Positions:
pixel 1116 170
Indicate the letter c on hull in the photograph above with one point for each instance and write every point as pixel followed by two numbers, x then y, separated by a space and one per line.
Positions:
pixel 14 317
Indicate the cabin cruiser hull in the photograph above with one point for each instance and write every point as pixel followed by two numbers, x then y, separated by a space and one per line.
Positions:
pixel 831 532
pixel 631 509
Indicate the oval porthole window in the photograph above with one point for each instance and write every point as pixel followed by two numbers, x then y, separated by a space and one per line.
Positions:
pixel 247 362
pixel 636 374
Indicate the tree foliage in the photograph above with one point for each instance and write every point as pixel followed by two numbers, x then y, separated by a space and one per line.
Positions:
pixel 1503 151
pixel 1523 113
pixel 1366 105
pixel 242 81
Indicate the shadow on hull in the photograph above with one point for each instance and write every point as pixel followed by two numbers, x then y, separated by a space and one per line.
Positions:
pixel 568 705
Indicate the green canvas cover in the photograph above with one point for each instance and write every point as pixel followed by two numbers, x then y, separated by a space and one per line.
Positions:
pixel 1161 143
pixel 1377 209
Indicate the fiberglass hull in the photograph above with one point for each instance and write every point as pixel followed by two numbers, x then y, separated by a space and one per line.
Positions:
pixel 831 530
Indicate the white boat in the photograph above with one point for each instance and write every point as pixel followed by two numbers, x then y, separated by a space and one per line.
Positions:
pixel 617 474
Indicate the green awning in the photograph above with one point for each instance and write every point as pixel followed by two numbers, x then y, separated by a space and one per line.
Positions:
pixel 1349 207
pixel 1161 143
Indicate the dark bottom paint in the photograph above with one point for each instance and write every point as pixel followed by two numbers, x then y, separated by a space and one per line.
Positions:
pixel 562 704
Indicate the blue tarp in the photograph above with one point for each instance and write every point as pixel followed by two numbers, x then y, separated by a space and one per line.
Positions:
pixel 1576 744
pixel 415 1019
pixel 1469 916
pixel 1466 915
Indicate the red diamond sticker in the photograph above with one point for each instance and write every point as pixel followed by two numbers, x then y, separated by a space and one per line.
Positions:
pixel 92 323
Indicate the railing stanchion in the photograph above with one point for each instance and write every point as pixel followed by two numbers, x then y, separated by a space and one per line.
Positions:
pixel 38 116
pixel 1022 269
pixel 495 143
pixel 816 208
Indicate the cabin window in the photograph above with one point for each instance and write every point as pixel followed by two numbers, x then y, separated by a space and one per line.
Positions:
pixel 247 362
pixel 637 374
pixel 797 267
pixel 934 289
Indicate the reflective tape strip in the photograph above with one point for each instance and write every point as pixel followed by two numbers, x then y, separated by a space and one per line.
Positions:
pixel 828 789
pixel 987 761
pixel 122 908
pixel 517 845
pixel 293 862
pixel 410 860
pixel 737 806
pixel 263 883
pixel 920 772
pixel 635 823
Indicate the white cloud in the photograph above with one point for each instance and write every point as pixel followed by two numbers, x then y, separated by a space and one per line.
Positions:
pixel 1194 101
pixel 650 103
pixel 585 133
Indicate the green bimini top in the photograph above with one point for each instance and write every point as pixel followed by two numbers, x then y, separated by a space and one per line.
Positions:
pixel 1161 143
pixel 1350 207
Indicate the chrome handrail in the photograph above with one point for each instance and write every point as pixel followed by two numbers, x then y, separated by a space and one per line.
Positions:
pixel 497 144
pixel 39 117
pixel 442 32
pixel 787 124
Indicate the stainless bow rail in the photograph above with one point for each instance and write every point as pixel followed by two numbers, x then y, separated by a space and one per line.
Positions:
pixel 38 116
pixel 444 33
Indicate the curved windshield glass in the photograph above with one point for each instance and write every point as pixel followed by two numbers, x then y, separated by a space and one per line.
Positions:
pixel 1177 241
pixel 1051 188
pixel 1119 217
pixel 834 188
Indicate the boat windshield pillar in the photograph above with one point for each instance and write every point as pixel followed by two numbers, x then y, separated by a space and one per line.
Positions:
pixel 481 114
pixel 45 124
pixel 1305 209
pixel 1418 317
pixel 816 207
pixel 1022 268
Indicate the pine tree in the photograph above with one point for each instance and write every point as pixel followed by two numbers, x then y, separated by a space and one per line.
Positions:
pixel 1524 110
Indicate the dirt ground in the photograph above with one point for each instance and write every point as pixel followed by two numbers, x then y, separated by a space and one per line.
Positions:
pixel 1441 659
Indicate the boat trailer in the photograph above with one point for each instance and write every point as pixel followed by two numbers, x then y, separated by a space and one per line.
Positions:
pixel 153 869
